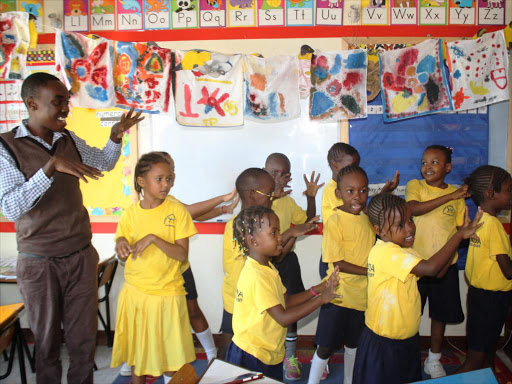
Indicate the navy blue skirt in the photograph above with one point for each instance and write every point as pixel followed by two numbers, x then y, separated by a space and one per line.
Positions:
pixel 235 355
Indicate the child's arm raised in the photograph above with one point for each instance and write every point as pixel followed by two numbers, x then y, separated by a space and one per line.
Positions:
pixel 438 264
pixel 312 188
pixel 290 235
pixel 205 210
pixel 420 208
pixel 390 186
pixel 177 251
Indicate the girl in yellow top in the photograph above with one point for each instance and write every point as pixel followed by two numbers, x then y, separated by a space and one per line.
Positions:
pixel 388 351
pixel 438 209
pixel 152 327
pixel 488 267
pixel 347 241
pixel 262 309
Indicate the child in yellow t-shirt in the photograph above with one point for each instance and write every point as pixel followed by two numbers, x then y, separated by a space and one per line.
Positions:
pixel 438 209
pixel 488 267
pixel 152 318
pixel 262 309
pixel 388 351
pixel 348 238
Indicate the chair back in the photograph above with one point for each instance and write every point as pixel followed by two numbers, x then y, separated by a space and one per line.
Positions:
pixel 106 275
pixel 185 375
pixel 7 334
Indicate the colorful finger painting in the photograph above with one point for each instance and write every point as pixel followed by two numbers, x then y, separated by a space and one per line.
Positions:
pixel 85 66
pixel 305 55
pixel 338 85
pixel 272 88
pixel 478 71
pixel 142 76
pixel 209 89
pixel 413 81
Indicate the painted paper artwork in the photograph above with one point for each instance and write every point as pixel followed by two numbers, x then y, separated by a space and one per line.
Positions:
pixel 305 55
pixel 209 89
pixel 272 88
pixel 85 66
pixel 413 81
pixel 15 39
pixel 479 71
pixel 338 85
pixel 142 76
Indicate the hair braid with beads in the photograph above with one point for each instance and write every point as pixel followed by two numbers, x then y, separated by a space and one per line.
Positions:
pixel 384 207
pixel 484 178
pixel 246 222
pixel 144 165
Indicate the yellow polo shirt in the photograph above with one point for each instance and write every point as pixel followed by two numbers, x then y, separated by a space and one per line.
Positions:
pixel 288 212
pixel 434 228
pixel 329 200
pixel 394 303
pixel 349 238
pixel 154 272
pixel 233 261
pixel 255 331
pixel 186 264
pixel 482 269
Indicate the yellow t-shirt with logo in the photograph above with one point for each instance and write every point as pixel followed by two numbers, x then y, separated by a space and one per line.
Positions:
pixel 394 303
pixel 255 331
pixel 482 269
pixel 349 238
pixel 154 272
pixel 233 260
pixel 186 264
pixel 288 212
pixel 434 228
pixel 329 200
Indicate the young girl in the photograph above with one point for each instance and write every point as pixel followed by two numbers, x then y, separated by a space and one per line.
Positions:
pixel 152 326
pixel 438 209
pixel 262 310
pixel 348 239
pixel 488 267
pixel 388 351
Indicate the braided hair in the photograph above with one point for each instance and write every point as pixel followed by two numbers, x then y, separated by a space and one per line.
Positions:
pixel 447 152
pixel 246 222
pixel 483 179
pixel 350 169
pixel 144 165
pixel 338 150
pixel 384 207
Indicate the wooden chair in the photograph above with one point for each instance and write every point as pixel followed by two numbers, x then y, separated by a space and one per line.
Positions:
pixel 185 375
pixel 106 273
pixel 11 333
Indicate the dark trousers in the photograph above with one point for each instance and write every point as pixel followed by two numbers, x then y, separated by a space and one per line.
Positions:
pixel 61 291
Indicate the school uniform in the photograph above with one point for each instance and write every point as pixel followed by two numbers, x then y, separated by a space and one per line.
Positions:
pixel 152 324
pixel 433 230
pixel 289 268
pixel 389 349
pixel 233 260
pixel 349 238
pixel 258 341
pixel 57 265
pixel 489 291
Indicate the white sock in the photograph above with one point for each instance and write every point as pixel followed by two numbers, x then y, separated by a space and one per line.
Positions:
pixel 206 340
pixel 350 359
pixel 166 378
pixel 434 356
pixel 317 369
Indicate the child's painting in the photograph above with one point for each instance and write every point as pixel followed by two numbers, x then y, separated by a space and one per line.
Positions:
pixel 15 38
pixel 142 76
pixel 129 15
pixel 85 66
pixel 212 13
pixel 413 81
pixel 338 85
pixel 305 55
pixel 272 88
pixel 208 89
pixel 479 71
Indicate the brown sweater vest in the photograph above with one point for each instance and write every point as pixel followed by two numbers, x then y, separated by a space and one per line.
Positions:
pixel 58 224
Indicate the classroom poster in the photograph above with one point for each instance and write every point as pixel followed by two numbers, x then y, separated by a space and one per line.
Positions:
pixel 329 12
pixel 241 13
pixel 208 89
pixel 462 12
pixel 479 71
pixel 129 15
pixel 12 108
pixel 212 13
pixel 374 12
pixel 300 12
pixel 433 12
pixel 185 14
pixel 491 12
pixel 76 15
pixel 103 16
pixel 404 12
pixel 271 13
pixel 157 14
pixel 7 6
pixel 34 7
pixel 351 12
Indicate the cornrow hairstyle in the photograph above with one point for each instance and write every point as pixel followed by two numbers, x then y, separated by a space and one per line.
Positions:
pixel 250 179
pixel 447 151
pixel 246 222
pixel 350 169
pixel 144 165
pixel 338 150
pixel 384 207
pixel 33 83
pixel 165 154
pixel 484 178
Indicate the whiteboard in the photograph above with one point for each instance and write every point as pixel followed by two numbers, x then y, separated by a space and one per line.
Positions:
pixel 208 160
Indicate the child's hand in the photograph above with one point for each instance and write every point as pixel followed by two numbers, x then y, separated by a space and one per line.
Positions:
pixel 280 192
pixel 469 228
pixel 229 196
pixel 123 248
pixel 231 207
pixel 302 229
pixel 330 290
pixel 391 185
pixel 141 245
pixel 312 186
pixel 461 193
